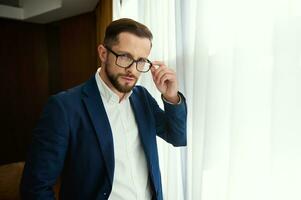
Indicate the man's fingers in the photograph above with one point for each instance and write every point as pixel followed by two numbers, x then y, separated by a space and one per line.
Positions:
pixel 158 63
pixel 157 71
pixel 161 72
pixel 165 77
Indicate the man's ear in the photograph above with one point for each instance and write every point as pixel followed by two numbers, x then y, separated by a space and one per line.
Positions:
pixel 102 53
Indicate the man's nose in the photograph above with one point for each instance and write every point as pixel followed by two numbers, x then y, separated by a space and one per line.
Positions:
pixel 132 67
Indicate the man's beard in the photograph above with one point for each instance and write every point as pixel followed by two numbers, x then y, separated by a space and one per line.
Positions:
pixel 114 80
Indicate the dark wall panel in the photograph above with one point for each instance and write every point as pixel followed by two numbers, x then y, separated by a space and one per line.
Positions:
pixel 23 83
pixel 78 49
pixel 35 62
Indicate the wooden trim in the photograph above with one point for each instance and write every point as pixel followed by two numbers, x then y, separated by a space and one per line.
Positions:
pixel 104 16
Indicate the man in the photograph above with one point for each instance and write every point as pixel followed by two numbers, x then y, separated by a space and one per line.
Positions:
pixel 100 137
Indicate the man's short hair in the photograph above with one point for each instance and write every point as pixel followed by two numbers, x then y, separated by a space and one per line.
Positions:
pixel 125 25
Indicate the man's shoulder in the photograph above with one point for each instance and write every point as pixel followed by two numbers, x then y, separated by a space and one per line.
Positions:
pixel 142 94
pixel 138 90
pixel 71 92
pixel 71 95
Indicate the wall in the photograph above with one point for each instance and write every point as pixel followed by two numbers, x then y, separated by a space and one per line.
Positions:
pixel 72 51
pixel 23 84
pixel 37 61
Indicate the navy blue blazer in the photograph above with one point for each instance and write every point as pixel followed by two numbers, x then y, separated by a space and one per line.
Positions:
pixel 73 140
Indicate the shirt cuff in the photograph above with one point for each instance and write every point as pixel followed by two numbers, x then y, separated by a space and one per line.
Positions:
pixel 180 101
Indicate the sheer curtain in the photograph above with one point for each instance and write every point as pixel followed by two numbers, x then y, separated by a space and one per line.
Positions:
pixel 239 65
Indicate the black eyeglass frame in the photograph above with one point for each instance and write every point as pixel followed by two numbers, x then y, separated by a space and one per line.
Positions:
pixel 134 61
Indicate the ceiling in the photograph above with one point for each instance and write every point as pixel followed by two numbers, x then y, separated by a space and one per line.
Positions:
pixel 14 3
pixel 44 11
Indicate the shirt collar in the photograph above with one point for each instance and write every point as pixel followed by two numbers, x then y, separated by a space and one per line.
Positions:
pixel 106 93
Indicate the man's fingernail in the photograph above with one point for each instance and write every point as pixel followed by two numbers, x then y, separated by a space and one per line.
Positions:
pixel 156 67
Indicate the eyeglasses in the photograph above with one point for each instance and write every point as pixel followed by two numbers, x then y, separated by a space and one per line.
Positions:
pixel 126 60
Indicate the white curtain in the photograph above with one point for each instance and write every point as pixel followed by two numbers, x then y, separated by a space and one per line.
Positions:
pixel 239 66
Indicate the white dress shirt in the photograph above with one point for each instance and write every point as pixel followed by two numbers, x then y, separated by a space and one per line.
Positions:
pixel 131 178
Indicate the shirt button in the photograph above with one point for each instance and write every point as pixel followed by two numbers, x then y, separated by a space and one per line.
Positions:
pixel 104 194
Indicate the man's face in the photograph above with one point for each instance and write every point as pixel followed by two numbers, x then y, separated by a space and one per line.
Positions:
pixel 124 79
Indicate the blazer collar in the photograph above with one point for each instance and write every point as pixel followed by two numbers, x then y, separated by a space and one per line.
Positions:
pixel 97 113
pixel 100 121
pixel 145 133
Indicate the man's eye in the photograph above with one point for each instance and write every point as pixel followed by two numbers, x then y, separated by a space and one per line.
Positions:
pixel 141 62
pixel 126 57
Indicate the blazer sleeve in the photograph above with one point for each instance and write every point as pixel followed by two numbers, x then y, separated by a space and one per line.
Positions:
pixel 171 124
pixel 47 153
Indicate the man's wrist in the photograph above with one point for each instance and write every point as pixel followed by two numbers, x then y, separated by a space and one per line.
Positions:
pixel 172 100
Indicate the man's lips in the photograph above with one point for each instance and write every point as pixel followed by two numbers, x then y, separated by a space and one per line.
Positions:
pixel 128 78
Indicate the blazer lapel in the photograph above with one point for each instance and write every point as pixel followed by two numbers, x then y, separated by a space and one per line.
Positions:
pixel 96 110
pixel 147 140
pixel 143 125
